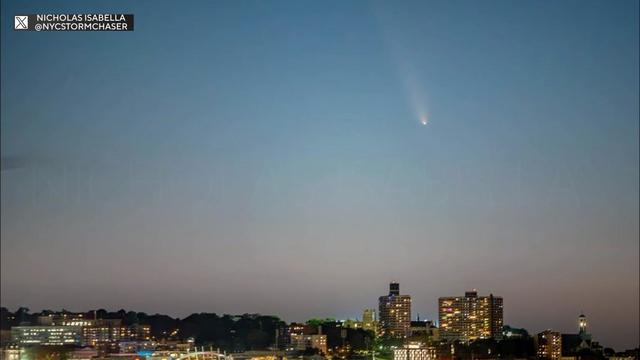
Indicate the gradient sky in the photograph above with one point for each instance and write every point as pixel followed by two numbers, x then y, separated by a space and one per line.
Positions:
pixel 267 156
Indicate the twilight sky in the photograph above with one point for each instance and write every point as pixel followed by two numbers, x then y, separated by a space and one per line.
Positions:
pixel 268 156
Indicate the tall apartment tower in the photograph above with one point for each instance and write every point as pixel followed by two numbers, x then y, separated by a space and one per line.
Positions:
pixel 549 345
pixel 395 313
pixel 470 317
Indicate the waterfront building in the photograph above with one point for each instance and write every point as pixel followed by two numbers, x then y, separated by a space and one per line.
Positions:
pixel 415 352
pixel 75 329
pixel 47 335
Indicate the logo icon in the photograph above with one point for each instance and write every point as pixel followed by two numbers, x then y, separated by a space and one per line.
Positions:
pixel 21 22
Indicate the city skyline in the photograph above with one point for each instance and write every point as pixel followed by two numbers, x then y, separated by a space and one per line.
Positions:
pixel 137 335
pixel 294 157
pixel 394 291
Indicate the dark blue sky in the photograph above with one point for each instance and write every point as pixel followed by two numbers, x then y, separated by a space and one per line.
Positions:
pixel 268 156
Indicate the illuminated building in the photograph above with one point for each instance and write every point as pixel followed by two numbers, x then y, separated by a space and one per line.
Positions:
pixel 297 328
pixel 582 324
pixel 549 345
pixel 302 342
pixel 415 352
pixel 395 313
pixel 11 352
pixel 574 343
pixel 298 336
pixel 139 332
pixel 111 331
pixel 74 329
pixel 470 317
pixel 129 347
pixel 369 321
pixel 47 335
pixel 66 319
pixel 97 332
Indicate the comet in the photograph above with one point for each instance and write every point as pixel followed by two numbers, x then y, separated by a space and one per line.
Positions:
pixel 402 55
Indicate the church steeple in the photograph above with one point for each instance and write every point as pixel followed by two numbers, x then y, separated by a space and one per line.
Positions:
pixel 582 323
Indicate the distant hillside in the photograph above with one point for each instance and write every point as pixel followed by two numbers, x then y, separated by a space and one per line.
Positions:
pixel 228 332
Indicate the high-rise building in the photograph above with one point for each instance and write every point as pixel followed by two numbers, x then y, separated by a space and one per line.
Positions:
pixel 395 313
pixel 369 321
pixel 470 317
pixel 394 289
pixel 549 345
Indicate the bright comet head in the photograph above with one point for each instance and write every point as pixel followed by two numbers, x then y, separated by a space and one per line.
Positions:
pixel 424 120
